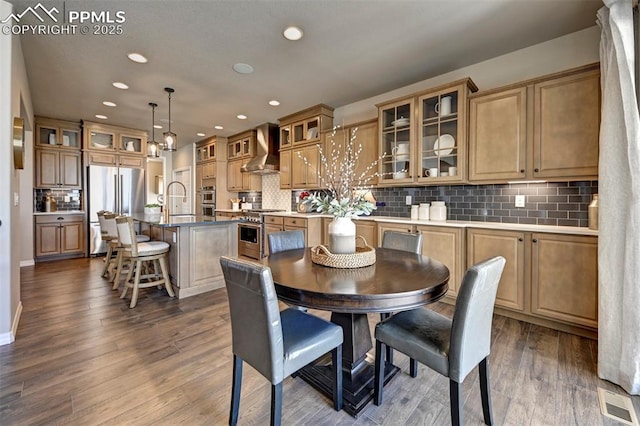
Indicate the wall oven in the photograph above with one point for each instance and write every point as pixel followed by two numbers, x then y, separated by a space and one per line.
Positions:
pixel 208 209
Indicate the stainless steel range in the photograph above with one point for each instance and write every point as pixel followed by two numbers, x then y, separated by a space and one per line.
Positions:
pixel 251 239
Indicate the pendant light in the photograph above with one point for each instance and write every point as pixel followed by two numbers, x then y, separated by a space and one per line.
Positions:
pixel 153 146
pixel 169 138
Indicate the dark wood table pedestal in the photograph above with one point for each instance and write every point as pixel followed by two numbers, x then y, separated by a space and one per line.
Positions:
pixel 358 372
pixel 397 281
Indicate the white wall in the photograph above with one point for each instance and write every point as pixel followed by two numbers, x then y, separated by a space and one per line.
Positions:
pixel 570 51
pixel 15 101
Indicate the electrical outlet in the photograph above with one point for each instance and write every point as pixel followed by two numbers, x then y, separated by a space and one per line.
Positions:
pixel 67 198
pixel 519 200
pixel 407 200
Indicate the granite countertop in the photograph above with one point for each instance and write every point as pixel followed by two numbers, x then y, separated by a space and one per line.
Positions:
pixel 571 230
pixel 182 220
pixel 59 212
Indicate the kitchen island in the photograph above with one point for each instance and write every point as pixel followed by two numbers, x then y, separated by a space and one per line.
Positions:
pixel 197 242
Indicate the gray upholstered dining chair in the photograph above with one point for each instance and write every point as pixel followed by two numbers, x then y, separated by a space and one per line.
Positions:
pixel 404 241
pixel 452 347
pixel 275 343
pixel 286 240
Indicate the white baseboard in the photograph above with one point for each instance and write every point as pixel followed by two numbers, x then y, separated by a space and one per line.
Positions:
pixel 27 263
pixel 7 338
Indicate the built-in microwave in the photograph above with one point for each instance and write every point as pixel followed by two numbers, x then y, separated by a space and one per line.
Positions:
pixel 208 195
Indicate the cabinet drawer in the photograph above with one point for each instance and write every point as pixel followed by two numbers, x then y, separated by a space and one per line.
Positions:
pixel 99 158
pixel 296 222
pixel 274 220
pixel 59 218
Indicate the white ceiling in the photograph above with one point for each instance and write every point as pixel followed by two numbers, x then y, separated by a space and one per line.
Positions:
pixel 351 50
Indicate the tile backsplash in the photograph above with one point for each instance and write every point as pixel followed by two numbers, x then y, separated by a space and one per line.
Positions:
pixel 60 195
pixel 554 203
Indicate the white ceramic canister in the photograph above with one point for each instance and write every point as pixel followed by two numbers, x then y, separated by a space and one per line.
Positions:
pixel 414 212
pixel 423 211
pixel 438 211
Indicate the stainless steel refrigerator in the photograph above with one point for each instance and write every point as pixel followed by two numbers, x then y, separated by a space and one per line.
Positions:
pixel 116 189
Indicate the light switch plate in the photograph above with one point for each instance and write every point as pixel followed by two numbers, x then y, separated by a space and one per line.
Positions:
pixel 519 200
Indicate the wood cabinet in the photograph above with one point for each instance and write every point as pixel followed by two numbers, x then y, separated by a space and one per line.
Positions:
pixel 206 162
pixel 59 236
pixel 312 227
pixel 446 245
pixel 285 169
pixel 301 133
pixel 547 128
pixel 271 224
pixel 550 278
pixel 239 181
pixel 304 174
pixel 422 132
pixel 305 126
pixel 58 168
pixel 239 149
pixel 101 137
pixel 564 278
pixel 58 162
pixel 483 244
pixel 53 133
pixel 206 150
pixel 365 144
pixel 107 159
pixel 241 145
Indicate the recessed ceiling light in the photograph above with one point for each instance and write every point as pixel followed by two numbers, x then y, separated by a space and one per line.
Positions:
pixel 137 57
pixel 120 85
pixel 242 116
pixel 241 68
pixel 200 134
pixel 218 127
pixel 109 103
pixel 157 126
pixel 101 117
pixel 273 102
pixel 292 33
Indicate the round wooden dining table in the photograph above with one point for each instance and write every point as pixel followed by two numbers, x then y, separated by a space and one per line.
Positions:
pixel 397 281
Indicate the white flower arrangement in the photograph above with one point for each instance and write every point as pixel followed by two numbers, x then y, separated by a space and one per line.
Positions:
pixel 346 195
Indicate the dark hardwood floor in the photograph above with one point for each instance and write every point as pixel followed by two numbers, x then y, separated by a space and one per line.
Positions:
pixel 82 357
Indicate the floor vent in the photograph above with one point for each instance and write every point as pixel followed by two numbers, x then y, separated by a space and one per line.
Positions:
pixel 617 407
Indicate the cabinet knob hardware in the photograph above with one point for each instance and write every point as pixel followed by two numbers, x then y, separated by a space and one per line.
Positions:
pixel 536 170
pixel 60 218
pixel 535 240
pixel 521 170
pixel 520 239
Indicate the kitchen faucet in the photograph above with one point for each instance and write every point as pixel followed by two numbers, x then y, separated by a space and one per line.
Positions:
pixel 167 195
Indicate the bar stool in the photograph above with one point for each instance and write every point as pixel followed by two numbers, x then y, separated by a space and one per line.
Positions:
pixel 110 229
pixel 135 254
pixel 105 237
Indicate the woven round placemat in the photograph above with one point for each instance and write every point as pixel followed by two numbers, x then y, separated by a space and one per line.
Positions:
pixel 364 256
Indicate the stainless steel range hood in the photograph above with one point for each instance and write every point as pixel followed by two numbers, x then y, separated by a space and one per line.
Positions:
pixel 267 157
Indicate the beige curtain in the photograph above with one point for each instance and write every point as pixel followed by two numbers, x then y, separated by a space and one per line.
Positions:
pixel 619 187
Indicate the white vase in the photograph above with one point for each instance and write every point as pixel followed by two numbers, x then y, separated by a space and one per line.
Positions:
pixel 342 236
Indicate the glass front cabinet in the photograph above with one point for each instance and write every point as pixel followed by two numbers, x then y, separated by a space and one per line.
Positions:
pixel 423 137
